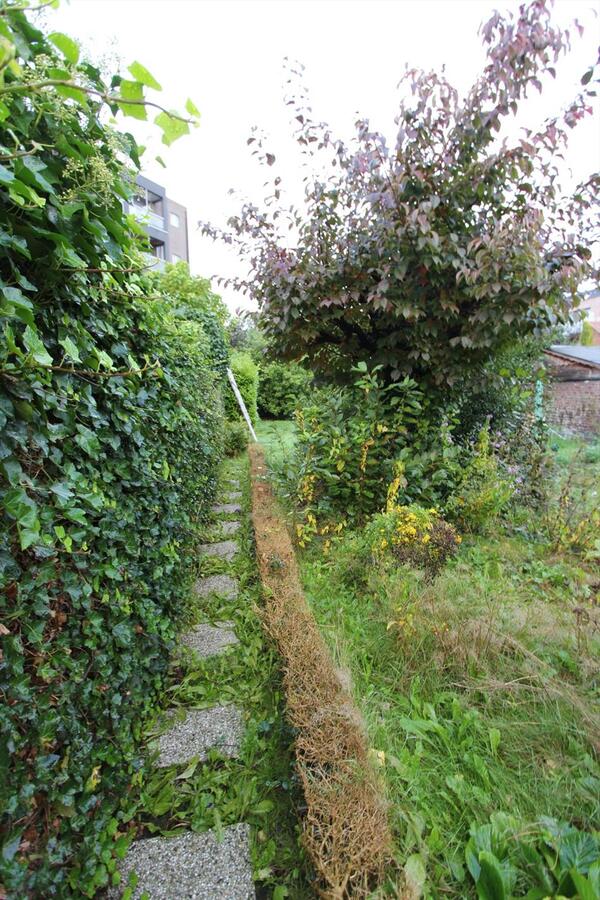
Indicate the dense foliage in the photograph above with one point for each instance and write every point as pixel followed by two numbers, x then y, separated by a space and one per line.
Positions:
pixel 191 297
pixel 283 388
pixel 430 255
pixel 110 419
pixel 246 376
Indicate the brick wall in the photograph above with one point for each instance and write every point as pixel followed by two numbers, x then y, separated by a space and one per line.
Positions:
pixel 573 397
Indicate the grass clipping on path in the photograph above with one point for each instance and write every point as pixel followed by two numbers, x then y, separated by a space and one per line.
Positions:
pixel 346 829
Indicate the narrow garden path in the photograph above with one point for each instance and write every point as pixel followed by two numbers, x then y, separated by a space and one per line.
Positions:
pixel 222 762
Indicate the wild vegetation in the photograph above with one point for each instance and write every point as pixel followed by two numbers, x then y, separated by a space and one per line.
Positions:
pixel 476 672
pixel 449 554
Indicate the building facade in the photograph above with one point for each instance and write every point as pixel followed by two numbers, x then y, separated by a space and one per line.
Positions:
pixel 164 220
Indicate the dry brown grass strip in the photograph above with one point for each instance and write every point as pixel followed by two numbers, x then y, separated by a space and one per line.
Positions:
pixel 346 829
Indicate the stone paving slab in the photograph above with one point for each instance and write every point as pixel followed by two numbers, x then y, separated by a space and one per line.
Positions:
pixel 217 728
pixel 229 527
pixel 217 584
pixel 233 495
pixel 208 640
pixel 222 549
pixel 226 508
pixel 190 867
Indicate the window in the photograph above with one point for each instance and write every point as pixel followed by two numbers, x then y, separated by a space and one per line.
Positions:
pixel 174 220
pixel 158 249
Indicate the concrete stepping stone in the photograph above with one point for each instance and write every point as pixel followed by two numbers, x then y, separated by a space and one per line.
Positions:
pixel 222 508
pixel 233 495
pixel 230 527
pixel 225 585
pixel 190 867
pixel 208 640
pixel 222 549
pixel 217 728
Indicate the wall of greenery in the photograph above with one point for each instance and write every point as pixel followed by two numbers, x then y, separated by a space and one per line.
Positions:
pixel 111 422
pixel 246 376
pixel 283 388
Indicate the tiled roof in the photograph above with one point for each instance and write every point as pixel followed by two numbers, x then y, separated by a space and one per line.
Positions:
pixel 589 356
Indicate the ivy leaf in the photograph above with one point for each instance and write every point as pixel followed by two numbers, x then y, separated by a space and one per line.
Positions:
pixel 35 345
pixel 6 176
pixel 172 128
pixel 141 74
pixel 70 349
pixel 67 46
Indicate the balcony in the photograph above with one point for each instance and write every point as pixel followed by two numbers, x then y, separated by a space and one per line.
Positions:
pixel 151 219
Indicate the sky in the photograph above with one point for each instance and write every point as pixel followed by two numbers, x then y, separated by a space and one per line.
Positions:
pixel 227 55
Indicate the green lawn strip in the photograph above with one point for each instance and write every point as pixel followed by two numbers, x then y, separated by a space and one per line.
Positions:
pixel 260 786
pixel 509 726
pixel 278 437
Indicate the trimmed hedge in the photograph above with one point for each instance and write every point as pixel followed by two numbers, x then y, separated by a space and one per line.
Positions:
pixel 246 375
pixel 284 388
pixel 111 433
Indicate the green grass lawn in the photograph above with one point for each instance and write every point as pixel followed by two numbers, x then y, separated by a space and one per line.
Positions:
pixel 278 437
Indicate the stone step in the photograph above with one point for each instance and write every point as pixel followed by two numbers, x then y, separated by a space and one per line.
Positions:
pixel 233 495
pixel 208 640
pixel 217 728
pixel 222 549
pixel 190 866
pixel 230 527
pixel 224 585
pixel 222 508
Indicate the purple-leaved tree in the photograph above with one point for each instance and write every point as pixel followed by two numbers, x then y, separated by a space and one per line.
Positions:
pixel 430 256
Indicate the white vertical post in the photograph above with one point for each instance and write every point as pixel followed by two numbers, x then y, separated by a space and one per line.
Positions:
pixel 241 403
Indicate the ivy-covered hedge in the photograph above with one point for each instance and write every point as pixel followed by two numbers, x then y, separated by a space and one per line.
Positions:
pixel 246 375
pixel 110 421
pixel 191 297
pixel 284 387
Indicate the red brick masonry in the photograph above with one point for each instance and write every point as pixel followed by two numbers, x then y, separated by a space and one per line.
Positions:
pixel 573 396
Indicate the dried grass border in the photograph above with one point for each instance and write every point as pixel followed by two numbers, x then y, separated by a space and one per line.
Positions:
pixel 346 830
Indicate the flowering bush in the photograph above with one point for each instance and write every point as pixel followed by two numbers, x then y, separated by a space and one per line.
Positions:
pixel 414 536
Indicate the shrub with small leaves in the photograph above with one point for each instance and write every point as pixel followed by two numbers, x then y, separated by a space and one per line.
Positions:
pixel 235 438
pixel 284 388
pixel 412 536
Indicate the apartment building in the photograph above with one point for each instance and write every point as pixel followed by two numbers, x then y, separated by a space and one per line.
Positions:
pixel 165 221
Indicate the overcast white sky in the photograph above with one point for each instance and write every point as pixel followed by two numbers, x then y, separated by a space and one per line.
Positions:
pixel 227 56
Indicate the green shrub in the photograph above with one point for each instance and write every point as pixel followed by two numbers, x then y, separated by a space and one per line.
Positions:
pixel 191 297
pixel 235 438
pixel 284 387
pixel 483 490
pixel 412 535
pixel 351 442
pixel 587 335
pixel 110 416
pixel 246 376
